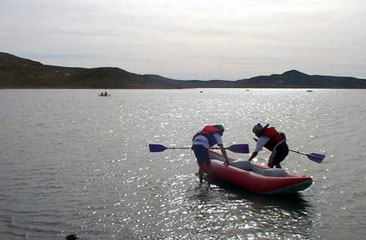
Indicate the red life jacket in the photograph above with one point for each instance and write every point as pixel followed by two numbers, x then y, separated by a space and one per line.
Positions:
pixel 274 137
pixel 209 131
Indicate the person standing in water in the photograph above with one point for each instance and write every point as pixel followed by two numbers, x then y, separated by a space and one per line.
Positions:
pixel 201 143
pixel 273 141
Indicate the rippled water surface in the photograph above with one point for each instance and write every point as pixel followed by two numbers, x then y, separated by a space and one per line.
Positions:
pixel 71 161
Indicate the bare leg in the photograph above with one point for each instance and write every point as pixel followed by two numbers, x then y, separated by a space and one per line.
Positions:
pixel 270 160
pixel 209 174
pixel 200 172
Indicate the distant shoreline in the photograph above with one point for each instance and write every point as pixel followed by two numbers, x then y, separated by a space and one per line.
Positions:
pixel 20 73
pixel 111 89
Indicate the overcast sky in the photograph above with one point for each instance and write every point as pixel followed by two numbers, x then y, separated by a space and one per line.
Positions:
pixel 190 39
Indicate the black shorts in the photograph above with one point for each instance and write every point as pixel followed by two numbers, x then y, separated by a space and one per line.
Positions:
pixel 279 153
pixel 202 155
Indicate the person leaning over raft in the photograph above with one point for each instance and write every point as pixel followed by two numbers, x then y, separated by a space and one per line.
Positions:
pixel 273 141
pixel 202 141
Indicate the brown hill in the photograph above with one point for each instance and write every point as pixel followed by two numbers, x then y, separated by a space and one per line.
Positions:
pixel 296 79
pixel 16 72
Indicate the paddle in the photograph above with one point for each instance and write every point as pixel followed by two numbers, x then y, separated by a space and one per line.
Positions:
pixel 238 148
pixel 316 157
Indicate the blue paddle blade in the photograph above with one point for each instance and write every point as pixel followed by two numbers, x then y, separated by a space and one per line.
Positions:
pixel 239 148
pixel 156 148
pixel 316 157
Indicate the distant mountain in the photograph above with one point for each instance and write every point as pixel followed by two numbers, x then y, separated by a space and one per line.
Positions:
pixel 296 79
pixel 16 72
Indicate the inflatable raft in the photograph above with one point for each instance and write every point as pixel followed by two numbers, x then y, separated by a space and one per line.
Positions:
pixel 257 178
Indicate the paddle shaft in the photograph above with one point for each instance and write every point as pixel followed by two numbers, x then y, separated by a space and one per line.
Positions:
pixel 299 152
pixel 238 148
pixel 312 156
pixel 177 148
pixel 255 139
pixel 190 148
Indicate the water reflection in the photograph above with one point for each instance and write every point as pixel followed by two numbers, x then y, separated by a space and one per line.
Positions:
pixel 225 210
pixel 291 202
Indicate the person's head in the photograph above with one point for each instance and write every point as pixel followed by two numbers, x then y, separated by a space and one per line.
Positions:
pixel 221 129
pixel 257 129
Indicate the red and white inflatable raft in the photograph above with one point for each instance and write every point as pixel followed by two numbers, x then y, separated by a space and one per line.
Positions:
pixel 257 178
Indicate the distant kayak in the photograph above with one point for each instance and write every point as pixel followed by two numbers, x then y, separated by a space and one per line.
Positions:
pixel 104 95
pixel 257 178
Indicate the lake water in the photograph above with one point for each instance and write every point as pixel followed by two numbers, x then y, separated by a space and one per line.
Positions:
pixel 71 161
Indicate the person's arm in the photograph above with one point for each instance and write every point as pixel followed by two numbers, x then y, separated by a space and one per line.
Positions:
pixel 223 151
pixel 254 154
pixel 260 143
pixel 221 146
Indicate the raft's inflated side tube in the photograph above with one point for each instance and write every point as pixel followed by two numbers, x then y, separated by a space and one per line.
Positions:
pixel 258 178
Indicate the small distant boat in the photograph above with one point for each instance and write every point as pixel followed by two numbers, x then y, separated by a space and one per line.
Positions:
pixel 257 178
pixel 105 94
pixel 309 90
